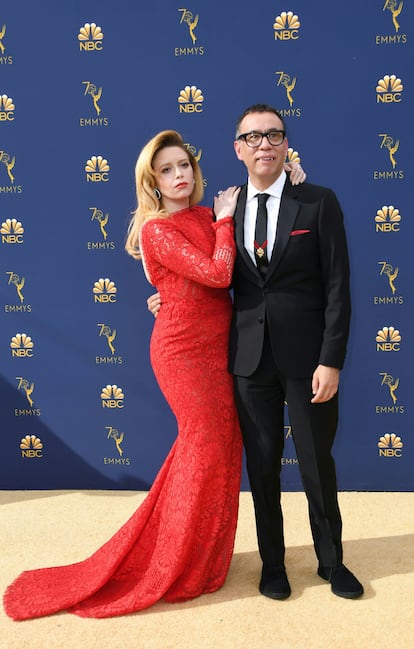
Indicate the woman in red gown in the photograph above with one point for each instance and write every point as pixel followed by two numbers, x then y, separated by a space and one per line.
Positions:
pixel 179 542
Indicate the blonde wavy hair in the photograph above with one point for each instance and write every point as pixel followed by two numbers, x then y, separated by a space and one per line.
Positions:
pixel 148 206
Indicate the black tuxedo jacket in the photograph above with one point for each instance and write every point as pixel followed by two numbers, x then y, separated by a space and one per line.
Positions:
pixel 304 298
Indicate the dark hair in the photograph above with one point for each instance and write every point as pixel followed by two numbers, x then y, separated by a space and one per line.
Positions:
pixel 258 108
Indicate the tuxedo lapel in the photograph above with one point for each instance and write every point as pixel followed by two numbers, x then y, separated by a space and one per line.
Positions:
pixel 288 210
pixel 239 229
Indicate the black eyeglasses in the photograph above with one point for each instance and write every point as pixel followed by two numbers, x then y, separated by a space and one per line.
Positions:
pixel 254 138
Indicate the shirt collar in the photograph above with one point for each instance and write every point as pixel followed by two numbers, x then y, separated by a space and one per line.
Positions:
pixel 275 188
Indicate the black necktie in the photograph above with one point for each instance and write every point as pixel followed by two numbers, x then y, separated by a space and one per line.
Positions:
pixel 260 234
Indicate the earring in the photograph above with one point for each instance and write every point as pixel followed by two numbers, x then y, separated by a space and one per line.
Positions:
pixel 157 193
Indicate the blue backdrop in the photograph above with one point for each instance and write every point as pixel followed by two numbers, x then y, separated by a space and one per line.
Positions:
pixel 83 86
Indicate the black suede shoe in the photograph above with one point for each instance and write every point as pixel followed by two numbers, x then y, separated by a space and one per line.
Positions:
pixel 274 583
pixel 343 582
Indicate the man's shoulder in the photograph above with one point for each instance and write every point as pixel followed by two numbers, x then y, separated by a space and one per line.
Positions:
pixel 308 190
pixel 310 193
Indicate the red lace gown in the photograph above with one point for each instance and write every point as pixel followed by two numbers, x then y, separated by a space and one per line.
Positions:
pixel 179 542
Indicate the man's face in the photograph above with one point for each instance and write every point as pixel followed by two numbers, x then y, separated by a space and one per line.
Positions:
pixel 265 162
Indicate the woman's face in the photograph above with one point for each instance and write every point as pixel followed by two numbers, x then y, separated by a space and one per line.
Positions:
pixel 174 176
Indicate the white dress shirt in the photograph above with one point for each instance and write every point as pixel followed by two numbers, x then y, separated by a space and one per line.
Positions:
pixel 273 204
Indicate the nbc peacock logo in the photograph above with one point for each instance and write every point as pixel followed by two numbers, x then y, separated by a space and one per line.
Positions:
pixel 11 231
pixel 191 100
pixel 387 219
pixel 6 109
pixel 104 290
pixel 90 38
pixel 286 26
pixel 31 446
pixel 21 346
pixel 97 169
pixel 390 445
pixel 388 340
pixel 112 397
pixel 389 89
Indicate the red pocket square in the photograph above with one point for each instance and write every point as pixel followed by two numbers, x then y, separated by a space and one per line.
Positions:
pixel 295 232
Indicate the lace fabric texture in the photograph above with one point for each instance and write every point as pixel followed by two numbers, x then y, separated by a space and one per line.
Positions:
pixel 178 544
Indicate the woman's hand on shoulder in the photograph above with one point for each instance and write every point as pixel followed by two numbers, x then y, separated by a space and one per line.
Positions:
pixel 225 202
pixel 296 173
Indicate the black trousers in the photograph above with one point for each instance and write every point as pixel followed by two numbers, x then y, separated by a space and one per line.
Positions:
pixel 260 401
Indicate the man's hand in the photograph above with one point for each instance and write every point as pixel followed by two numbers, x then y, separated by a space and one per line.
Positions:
pixel 296 175
pixel 154 304
pixel 325 382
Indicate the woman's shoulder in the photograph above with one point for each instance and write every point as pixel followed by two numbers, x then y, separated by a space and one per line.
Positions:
pixel 153 229
pixel 203 209
pixel 176 220
pixel 196 212
pixel 155 222
pixel 182 219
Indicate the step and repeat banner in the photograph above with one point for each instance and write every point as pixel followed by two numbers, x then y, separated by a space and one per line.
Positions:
pixel 83 86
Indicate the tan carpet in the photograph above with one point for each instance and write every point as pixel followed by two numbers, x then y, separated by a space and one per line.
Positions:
pixel 41 528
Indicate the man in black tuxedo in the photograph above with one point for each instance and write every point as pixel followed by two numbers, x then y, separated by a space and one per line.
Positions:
pixel 288 342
